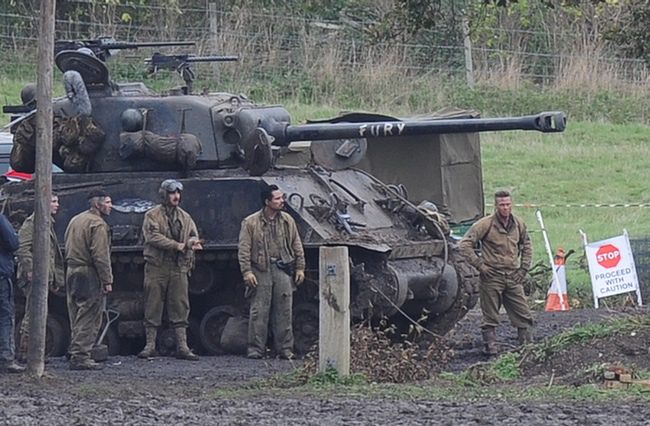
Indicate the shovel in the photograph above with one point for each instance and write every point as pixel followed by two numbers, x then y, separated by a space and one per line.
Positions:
pixel 99 352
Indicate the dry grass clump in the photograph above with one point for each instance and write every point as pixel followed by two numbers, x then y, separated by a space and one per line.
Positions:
pixel 376 356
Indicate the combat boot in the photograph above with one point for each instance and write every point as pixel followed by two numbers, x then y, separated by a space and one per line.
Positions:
pixel 182 350
pixel 11 367
pixel 524 336
pixel 150 347
pixel 86 364
pixel 490 341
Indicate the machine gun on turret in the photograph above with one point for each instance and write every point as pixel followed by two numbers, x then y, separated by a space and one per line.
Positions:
pixel 182 64
pixel 102 47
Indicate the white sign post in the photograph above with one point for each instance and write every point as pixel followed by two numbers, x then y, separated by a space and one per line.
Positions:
pixel 611 266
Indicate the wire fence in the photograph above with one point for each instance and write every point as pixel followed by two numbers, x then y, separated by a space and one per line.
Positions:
pixel 296 43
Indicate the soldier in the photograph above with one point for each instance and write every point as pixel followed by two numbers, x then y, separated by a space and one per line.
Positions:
pixel 89 277
pixel 269 249
pixel 8 245
pixel 56 278
pixel 170 239
pixel 506 255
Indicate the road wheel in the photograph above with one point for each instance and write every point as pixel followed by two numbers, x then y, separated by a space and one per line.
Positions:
pixel 212 326
pixel 57 337
pixel 305 327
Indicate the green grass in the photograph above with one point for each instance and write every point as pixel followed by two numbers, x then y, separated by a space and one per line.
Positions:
pixel 590 163
pixel 448 388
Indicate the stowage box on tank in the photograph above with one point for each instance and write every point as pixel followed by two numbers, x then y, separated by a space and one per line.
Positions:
pixel 366 181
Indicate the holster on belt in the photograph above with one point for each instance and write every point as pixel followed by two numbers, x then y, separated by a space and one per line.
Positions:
pixel 286 267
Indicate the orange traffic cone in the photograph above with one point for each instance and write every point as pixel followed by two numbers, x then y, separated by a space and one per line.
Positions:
pixel 558 298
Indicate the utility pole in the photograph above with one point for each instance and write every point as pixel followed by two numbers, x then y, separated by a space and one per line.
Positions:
pixel 43 192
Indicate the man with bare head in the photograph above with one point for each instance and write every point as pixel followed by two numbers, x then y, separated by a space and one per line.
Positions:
pixel 89 277
pixel 56 278
pixel 271 259
pixel 506 256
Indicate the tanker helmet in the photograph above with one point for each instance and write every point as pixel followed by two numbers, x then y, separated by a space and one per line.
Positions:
pixel 169 185
pixel 28 94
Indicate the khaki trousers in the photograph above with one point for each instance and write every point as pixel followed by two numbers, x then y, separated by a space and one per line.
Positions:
pixel 166 286
pixel 272 300
pixel 499 289
pixel 85 306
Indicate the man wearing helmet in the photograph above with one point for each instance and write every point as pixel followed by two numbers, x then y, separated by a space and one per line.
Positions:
pixel 170 239
pixel 268 244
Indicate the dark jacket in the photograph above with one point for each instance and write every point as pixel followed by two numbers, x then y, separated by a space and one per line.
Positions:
pixel 9 243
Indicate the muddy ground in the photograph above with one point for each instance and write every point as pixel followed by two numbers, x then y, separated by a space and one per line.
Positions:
pixel 169 391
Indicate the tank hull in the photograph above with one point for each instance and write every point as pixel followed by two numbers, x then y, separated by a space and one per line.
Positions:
pixel 398 271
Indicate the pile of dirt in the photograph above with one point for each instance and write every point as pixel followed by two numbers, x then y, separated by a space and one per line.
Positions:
pixel 559 355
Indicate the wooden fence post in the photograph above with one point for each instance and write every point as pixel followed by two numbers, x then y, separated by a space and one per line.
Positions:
pixel 334 329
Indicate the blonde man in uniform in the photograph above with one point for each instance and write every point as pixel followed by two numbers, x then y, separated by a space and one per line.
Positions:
pixel 506 256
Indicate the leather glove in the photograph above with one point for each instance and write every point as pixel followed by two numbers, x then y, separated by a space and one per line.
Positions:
pixel 519 275
pixel 250 279
pixel 300 277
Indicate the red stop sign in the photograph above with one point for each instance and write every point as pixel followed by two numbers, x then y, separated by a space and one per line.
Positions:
pixel 608 256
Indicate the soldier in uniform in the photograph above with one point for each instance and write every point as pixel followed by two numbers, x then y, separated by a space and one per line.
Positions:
pixel 506 255
pixel 56 278
pixel 8 245
pixel 170 239
pixel 269 250
pixel 89 277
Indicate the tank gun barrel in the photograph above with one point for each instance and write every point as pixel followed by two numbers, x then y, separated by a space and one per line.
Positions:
pixel 159 60
pixel 546 122
pixel 102 46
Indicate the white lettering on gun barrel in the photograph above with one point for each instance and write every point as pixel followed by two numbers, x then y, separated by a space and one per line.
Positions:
pixel 382 129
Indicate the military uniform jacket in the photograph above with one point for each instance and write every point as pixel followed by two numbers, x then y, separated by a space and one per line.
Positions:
pixel 56 277
pixel 88 243
pixel 159 244
pixel 253 249
pixel 502 249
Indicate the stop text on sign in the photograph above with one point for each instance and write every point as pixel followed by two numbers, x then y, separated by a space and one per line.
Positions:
pixel 608 256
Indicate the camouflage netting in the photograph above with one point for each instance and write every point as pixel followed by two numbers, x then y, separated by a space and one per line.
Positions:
pixel 183 149
pixel 75 140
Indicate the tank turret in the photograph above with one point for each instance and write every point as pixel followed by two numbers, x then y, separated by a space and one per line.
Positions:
pixel 387 188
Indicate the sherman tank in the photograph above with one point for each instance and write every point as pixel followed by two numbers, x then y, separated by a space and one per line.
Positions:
pixel 387 188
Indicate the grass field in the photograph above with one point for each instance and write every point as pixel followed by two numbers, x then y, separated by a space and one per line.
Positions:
pixel 590 163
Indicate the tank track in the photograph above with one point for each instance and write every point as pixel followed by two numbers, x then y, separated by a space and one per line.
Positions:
pixel 466 298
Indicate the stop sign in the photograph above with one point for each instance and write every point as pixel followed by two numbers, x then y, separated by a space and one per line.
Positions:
pixel 608 256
